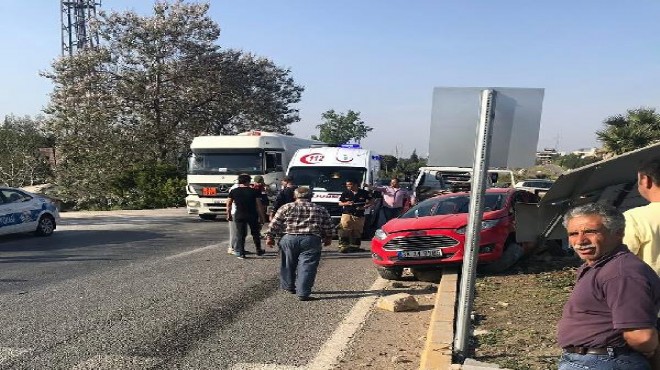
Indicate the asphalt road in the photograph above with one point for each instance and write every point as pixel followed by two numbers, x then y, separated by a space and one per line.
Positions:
pixel 156 289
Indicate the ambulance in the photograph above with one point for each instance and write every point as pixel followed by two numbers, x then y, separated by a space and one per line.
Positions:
pixel 326 169
pixel 216 162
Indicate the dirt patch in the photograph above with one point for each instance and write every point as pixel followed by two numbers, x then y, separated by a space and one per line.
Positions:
pixel 517 313
pixel 516 319
pixel 393 340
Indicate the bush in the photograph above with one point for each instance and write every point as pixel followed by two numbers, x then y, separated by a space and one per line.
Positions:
pixel 148 187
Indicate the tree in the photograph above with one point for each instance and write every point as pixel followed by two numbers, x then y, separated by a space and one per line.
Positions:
pixel 636 129
pixel 155 83
pixel 339 128
pixel 22 163
pixel 388 164
pixel 572 161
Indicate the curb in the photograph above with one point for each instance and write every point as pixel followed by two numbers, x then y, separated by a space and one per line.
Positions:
pixel 438 349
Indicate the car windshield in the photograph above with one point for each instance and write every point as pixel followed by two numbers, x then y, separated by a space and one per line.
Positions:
pixel 326 178
pixel 453 205
pixel 541 184
pixel 210 163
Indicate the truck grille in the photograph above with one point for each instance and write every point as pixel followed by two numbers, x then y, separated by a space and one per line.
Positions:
pixel 412 243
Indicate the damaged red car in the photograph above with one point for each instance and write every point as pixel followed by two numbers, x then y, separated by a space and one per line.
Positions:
pixel 432 233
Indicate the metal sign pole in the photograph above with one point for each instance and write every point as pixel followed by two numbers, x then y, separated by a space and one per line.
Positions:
pixel 469 272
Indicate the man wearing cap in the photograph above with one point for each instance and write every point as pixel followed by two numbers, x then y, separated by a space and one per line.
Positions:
pixel 304 226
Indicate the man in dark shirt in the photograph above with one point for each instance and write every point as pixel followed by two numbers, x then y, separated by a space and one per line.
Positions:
pixel 609 321
pixel 285 195
pixel 249 212
pixel 353 200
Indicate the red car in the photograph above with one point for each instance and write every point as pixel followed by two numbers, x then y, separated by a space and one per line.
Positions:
pixel 432 233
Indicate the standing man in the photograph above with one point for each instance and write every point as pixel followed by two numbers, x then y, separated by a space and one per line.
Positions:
pixel 305 226
pixel 642 235
pixel 249 212
pixel 232 225
pixel 609 321
pixel 353 200
pixel 394 199
pixel 285 195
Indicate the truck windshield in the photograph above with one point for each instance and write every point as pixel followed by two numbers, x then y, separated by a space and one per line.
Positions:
pixel 222 162
pixel 326 178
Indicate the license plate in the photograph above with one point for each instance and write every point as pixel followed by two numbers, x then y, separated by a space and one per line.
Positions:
pixel 428 253
pixel 218 201
pixel 209 191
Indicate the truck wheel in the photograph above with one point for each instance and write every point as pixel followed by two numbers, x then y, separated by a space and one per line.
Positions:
pixel 426 275
pixel 207 217
pixel 390 273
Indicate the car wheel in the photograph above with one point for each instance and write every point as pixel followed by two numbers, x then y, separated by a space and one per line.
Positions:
pixel 46 225
pixel 207 217
pixel 390 273
pixel 429 276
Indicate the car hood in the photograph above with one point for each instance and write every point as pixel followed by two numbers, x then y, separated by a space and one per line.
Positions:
pixel 452 221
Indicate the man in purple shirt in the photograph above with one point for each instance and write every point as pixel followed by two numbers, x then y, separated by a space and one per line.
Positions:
pixel 609 321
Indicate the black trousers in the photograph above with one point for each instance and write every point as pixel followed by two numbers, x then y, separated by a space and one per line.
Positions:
pixel 241 234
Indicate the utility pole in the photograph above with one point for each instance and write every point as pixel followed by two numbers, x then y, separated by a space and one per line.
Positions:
pixel 76 31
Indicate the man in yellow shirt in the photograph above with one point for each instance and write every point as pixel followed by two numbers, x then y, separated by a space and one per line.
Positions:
pixel 642 233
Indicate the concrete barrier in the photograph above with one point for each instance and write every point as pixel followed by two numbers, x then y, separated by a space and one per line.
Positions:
pixel 438 349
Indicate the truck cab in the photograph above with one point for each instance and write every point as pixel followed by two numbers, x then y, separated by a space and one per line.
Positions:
pixel 216 162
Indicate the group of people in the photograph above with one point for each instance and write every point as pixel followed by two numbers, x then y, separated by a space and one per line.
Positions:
pixel 301 226
pixel 610 320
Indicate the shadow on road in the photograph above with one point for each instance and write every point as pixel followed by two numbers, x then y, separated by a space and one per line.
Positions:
pixel 72 239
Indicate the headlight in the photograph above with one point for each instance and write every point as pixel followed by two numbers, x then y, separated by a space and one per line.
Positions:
pixel 193 203
pixel 380 234
pixel 486 224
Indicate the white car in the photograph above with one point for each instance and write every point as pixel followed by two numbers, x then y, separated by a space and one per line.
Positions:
pixel 535 186
pixel 21 211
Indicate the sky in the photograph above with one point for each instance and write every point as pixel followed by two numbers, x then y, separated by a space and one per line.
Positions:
pixel 382 58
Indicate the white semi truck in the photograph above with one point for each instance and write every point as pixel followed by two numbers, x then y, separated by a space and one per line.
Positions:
pixel 325 170
pixel 216 162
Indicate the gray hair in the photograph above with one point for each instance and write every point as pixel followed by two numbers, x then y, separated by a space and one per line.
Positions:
pixel 302 192
pixel 613 219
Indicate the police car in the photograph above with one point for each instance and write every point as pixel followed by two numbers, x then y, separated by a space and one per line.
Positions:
pixel 21 211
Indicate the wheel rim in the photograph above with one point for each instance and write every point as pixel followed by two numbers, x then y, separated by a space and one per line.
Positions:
pixel 46 225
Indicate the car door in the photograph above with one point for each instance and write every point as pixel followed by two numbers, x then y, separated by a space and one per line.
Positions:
pixel 19 215
pixel 7 225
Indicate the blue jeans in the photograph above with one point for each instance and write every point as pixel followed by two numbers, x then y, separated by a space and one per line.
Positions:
pixel 627 361
pixel 299 259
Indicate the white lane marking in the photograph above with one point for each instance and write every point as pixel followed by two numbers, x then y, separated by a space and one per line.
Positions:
pixel 187 253
pixel 332 350
pixel 255 366
pixel 111 362
pixel 7 353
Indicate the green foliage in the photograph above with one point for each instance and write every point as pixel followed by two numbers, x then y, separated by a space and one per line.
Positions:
pixel 155 82
pixel 149 186
pixel 403 168
pixel 572 161
pixel 22 163
pixel 636 129
pixel 339 128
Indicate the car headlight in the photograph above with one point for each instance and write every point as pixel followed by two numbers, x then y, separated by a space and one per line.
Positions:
pixel 380 234
pixel 193 203
pixel 485 224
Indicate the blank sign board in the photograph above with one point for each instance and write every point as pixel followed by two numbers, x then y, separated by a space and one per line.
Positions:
pixel 515 130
